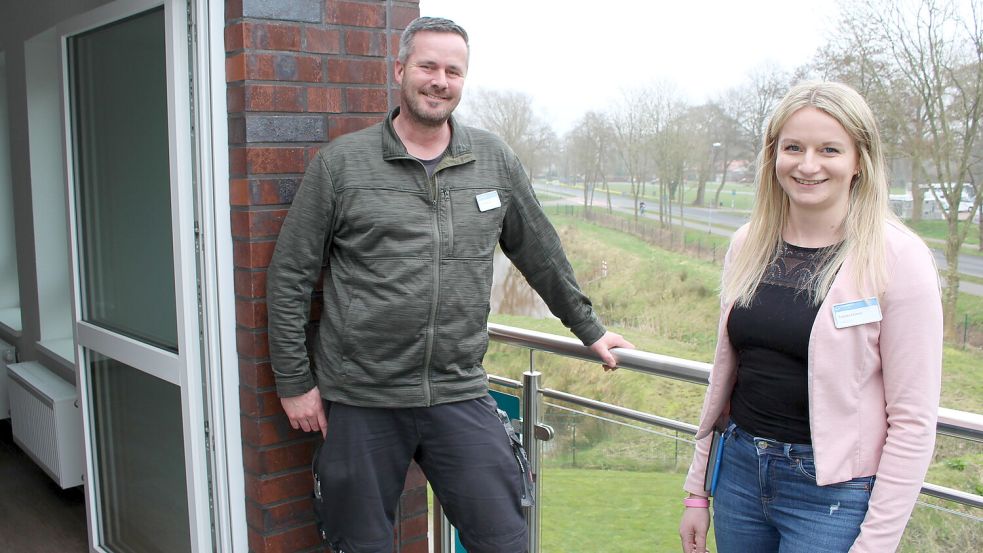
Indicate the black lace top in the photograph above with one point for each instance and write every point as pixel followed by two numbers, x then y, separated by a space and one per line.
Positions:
pixel 771 337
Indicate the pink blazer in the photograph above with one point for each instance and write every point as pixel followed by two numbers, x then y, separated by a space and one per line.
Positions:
pixel 873 388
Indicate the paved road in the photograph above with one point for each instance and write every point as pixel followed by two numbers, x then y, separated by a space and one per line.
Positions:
pixel 968 264
pixel 971 288
pixel 722 222
pixel 730 220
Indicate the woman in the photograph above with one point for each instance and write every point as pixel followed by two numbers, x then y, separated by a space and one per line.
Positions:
pixel 826 377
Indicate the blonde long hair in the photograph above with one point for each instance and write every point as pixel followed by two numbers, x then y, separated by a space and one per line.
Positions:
pixel 868 210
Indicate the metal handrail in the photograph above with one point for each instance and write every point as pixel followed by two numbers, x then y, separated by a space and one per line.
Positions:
pixel 961 424
pixel 624 412
pixel 505 382
pixel 951 422
pixel 636 360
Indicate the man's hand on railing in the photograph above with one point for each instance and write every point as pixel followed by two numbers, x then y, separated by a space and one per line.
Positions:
pixel 603 345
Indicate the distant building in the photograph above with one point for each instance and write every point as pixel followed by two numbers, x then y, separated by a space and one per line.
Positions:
pixel 740 170
pixel 932 208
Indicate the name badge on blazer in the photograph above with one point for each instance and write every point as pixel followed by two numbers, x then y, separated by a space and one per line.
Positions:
pixel 853 313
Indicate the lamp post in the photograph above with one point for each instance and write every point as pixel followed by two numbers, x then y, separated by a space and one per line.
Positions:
pixel 715 148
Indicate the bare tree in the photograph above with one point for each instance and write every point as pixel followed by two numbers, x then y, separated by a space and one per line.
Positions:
pixel 864 60
pixel 699 121
pixel 671 145
pixel 712 141
pixel 748 108
pixel 934 51
pixel 589 146
pixel 632 122
pixel 512 117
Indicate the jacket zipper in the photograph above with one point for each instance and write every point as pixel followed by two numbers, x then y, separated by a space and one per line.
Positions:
pixel 450 221
pixel 432 325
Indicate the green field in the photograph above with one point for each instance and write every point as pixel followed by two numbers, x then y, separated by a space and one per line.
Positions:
pixel 544 197
pixel 739 196
pixel 611 487
pixel 587 511
pixel 939 230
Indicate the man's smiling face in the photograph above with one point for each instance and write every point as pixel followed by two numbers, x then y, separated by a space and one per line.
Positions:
pixel 432 78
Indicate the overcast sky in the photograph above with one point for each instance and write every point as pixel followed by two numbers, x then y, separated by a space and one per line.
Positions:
pixel 572 56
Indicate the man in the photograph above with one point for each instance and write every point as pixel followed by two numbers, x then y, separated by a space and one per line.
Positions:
pixel 404 217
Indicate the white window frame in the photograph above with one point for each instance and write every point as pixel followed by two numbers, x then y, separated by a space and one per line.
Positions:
pixel 10 312
pixel 221 356
pixel 197 368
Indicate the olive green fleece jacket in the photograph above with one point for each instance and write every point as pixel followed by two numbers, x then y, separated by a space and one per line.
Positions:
pixel 407 269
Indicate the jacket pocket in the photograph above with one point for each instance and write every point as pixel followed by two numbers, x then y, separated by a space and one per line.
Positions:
pixel 348 343
pixel 383 332
pixel 462 320
pixel 471 232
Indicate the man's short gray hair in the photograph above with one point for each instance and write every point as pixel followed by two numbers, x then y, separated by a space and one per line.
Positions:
pixel 433 25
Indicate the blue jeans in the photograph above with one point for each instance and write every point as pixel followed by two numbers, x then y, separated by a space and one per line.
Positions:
pixel 767 500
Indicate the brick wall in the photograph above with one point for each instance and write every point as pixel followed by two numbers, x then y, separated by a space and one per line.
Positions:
pixel 299 73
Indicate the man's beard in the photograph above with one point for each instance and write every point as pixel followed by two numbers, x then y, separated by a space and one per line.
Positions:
pixel 416 108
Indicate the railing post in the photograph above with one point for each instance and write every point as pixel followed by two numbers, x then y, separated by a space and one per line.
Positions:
pixel 530 418
pixel 447 540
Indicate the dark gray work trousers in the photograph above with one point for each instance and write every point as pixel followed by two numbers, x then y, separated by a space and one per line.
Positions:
pixel 464 451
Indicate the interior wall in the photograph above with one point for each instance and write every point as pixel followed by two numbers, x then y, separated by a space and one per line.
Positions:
pixel 20 21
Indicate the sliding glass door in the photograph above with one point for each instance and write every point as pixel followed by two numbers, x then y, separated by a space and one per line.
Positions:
pixel 137 326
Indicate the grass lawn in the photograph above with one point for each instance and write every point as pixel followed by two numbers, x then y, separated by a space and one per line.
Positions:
pixel 611 511
pixel 544 197
pixel 589 511
pixel 969 310
pixel 693 235
pixel 938 230
pixel 734 195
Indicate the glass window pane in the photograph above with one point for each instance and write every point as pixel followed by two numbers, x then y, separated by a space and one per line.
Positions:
pixel 119 103
pixel 139 456
pixel 9 291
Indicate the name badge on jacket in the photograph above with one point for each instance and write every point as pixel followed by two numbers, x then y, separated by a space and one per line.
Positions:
pixel 853 313
pixel 488 200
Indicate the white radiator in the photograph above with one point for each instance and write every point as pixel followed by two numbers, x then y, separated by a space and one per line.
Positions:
pixel 7 356
pixel 46 421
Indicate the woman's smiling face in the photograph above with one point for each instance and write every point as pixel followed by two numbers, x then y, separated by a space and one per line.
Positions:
pixel 816 162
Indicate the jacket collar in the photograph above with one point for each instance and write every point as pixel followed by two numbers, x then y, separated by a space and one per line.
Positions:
pixel 459 150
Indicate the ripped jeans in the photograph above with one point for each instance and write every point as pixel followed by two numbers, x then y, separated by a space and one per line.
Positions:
pixel 767 500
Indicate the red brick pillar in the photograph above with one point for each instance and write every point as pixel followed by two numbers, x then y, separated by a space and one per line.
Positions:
pixel 299 73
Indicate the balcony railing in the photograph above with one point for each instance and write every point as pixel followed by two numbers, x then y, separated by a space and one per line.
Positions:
pixel 945 519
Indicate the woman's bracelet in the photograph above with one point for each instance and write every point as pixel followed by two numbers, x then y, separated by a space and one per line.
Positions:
pixel 697 502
